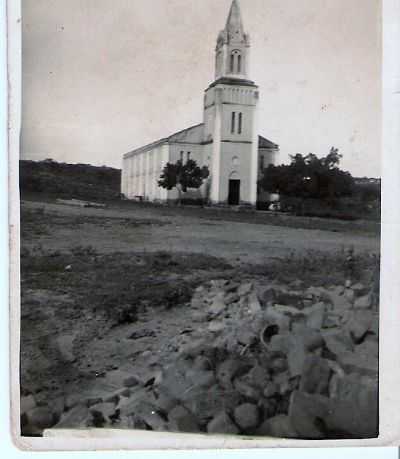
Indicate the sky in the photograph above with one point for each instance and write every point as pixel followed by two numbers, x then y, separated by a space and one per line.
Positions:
pixel 102 77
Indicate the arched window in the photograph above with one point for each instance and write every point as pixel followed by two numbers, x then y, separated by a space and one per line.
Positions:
pixel 232 66
pixel 236 61
pixel 240 123
pixel 233 122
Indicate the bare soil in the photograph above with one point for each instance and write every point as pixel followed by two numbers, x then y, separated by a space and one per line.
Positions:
pixel 107 289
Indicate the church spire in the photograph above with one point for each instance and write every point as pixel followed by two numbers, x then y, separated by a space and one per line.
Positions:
pixel 234 24
pixel 232 46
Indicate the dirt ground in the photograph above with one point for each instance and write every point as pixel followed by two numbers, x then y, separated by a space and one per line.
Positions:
pixel 152 229
pixel 105 290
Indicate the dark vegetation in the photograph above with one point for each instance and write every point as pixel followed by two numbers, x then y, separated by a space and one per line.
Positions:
pixel 182 176
pixel 312 186
pixel 62 180
pixel 330 193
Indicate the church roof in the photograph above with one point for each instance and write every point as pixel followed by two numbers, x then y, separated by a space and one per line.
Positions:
pixel 265 143
pixel 234 24
pixel 193 134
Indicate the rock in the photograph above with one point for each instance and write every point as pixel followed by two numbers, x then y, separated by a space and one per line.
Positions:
pixel 200 378
pixel 304 412
pixel 222 424
pixel 290 311
pixel 245 289
pixel 202 363
pixel 368 347
pixel 354 409
pixel 218 305
pixel 247 416
pixel 280 344
pixel 246 336
pixel 57 407
pixel 131 381
pixel 285 382
pixel 77 417
pixel 278 426
pixel 199 316
pixel 273 317
pixel 349 295
pixel 279 365
pixel 359 324
pixel 231 298
pixel 175 383
pixel 316 317
pixel 40 417
pixel 194 348
pixel 297 284
pixel 296 346
pixel 93 401
pixel 315 375
pixel 309 338
pixel 338 300
pixel 247 390
pixel 258 377
pixel 268 297
pixel 72 400
pixel 116 396
pixel 127 405
pixel 216 326
pixel 227 371
pixel 207 403
pixel 164 402
pixel 27 403
pixel 254 304
pixel 359 289
pixel 338 341
pixel 363 302
pixel 181 420
pixel 271 390
pixel 365 365
pixel 147 412
pixel 104 409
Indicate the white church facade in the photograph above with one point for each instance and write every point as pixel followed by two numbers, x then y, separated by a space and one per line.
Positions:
pixel 227 140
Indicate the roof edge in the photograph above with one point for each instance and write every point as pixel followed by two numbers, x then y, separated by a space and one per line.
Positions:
pixel 158 142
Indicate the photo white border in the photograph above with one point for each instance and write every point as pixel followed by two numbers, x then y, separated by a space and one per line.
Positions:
pixel 389 393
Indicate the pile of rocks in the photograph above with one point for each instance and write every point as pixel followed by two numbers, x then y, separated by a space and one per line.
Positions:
pixel 265 361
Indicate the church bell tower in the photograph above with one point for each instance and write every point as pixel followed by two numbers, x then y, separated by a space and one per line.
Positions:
pixel 230 108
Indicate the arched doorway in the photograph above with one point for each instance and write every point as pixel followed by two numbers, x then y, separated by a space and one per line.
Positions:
pixel 234 189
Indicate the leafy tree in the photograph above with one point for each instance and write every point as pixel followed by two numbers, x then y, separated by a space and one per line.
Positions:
pixel 309 177
pixel 183 176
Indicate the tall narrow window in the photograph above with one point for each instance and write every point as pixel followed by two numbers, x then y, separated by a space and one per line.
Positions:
pixel 188 155
pixel 232 65
pixel 233 122
pixel 240 123
pixel 182 156
pixel 239 63
pixel 262 163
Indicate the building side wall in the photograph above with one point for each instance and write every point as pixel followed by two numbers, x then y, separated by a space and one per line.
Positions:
pixel 141 172
pixel 266 156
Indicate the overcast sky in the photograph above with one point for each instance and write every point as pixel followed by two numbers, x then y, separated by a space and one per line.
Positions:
pixel 101 77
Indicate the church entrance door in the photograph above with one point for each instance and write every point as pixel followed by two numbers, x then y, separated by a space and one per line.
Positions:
pixel 234 192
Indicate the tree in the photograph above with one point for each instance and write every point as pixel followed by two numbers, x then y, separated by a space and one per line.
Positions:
pixel 309 177
pixel 183 176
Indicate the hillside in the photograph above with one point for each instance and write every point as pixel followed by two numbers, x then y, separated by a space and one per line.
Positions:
pixel 81 181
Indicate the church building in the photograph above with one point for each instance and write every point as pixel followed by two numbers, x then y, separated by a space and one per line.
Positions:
pixel 227 140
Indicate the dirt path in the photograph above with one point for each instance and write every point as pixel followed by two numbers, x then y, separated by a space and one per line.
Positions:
pixel 147 229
